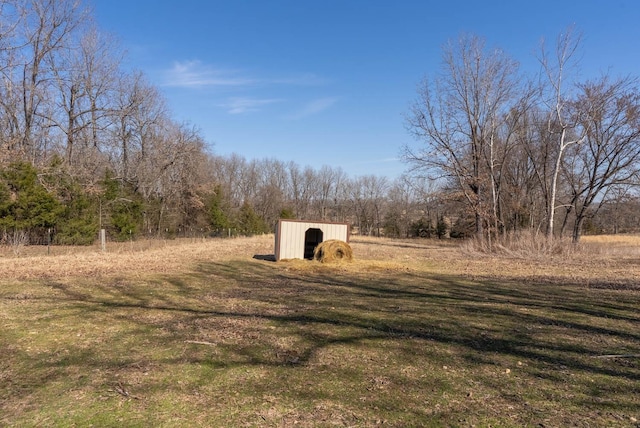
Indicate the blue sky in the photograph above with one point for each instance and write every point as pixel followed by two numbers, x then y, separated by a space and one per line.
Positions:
pixel 327 82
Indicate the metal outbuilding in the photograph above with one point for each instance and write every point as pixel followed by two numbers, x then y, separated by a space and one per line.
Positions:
pixel 296 239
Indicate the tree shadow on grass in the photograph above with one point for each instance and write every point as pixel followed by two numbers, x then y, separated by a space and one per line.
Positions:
pixel 445 310
pixel 250 314
pixel 435 308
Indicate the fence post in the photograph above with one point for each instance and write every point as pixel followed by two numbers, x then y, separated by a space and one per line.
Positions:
pixel 103 239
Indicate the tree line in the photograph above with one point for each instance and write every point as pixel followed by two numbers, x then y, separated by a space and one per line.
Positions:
pixel 550 153
pixel 86 145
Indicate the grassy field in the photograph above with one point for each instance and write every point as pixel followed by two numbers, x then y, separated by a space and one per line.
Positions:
pixel 412 333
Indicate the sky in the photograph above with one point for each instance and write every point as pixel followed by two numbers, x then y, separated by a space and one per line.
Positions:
pixel 328 82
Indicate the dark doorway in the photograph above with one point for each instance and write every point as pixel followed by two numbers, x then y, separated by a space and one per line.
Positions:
pixel 312 237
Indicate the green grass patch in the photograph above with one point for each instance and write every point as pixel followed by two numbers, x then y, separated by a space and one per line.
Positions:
pixel 254 343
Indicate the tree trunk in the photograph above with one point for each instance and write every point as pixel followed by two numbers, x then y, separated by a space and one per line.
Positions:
pixel 479 226
pixel 577 229
pixel 554 187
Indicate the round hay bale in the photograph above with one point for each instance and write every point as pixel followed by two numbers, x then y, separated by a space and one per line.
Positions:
pixel 333 250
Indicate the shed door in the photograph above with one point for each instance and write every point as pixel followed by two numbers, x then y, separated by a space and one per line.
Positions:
pixel 312 237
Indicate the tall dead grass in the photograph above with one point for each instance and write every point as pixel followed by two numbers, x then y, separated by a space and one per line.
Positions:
pixel 533 246
pixel 16 240
pixel 522 245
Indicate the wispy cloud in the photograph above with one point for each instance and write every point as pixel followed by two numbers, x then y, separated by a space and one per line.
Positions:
pixel 194 74
pixel 314 107
pixel 241 105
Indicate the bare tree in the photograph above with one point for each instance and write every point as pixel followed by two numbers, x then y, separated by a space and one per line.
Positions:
pixel 303 182
pixel 249 183
pixel 405 204
pixel 11 18
pixel 100 60
pixel 84 84
pixel 138 115
pixel 561 125
pixel 367 195
pixel 48 29
pixel 227 173
pixel 270 196
pixel 523 177
pixel 610 153
pixel 327 180
pixel 458 115
pixel 620 213
pixel 171 175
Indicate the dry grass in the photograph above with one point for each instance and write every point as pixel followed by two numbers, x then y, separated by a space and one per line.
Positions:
pixel 618 259
pixel 131 258
pixel 613 246
pixel 625 240
pixel 411 333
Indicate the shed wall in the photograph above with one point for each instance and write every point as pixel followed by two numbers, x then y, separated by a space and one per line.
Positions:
pixel 290 236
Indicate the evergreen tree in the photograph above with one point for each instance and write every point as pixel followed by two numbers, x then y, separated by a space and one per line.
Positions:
pixel 249 222
pixel 121 209
pixel 30 207
pixel 78 223
pixel 217 217
pixel 287 214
